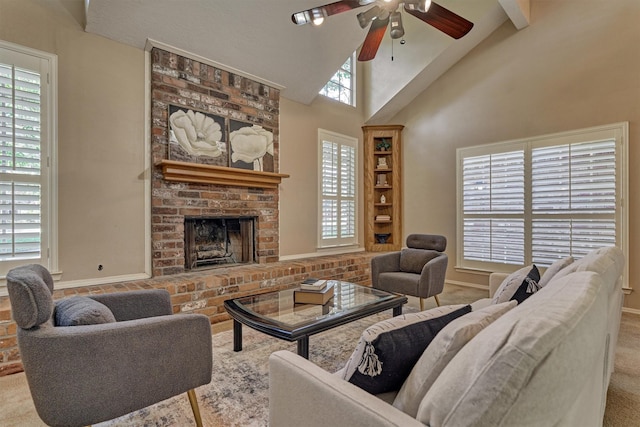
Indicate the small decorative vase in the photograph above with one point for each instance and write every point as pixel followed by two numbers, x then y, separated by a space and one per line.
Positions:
pixel 382 237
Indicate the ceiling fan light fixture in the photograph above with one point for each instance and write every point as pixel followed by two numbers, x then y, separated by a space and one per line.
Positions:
pixel 301 18
pixel 365 18
pixel 396 30
pixel 317 16
pixel 419 5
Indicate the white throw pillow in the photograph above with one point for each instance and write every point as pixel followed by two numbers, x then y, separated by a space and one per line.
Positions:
pixel 518 285
pixel 442 349
pixel 607 261
pixel 553 269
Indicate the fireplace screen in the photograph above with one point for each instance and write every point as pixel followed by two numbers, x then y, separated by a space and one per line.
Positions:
pixel 218 241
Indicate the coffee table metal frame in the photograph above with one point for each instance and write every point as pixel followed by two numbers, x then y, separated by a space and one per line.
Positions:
pixel 240 309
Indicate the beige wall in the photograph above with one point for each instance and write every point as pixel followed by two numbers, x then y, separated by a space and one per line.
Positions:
pixel 101 144
pixel 299 157
pixel 101 123
pixel 576 66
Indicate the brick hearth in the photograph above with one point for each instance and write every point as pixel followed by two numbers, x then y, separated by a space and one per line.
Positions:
pixel 205 291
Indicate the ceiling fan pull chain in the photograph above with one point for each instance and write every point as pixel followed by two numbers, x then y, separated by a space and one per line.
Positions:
pixel 392 49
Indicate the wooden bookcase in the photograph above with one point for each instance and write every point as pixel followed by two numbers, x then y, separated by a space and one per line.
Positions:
pixel 383 187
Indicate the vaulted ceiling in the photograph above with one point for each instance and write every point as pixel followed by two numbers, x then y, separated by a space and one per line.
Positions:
pixel 257 38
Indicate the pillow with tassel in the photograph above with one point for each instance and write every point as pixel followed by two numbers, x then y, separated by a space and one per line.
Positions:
pixel 387 351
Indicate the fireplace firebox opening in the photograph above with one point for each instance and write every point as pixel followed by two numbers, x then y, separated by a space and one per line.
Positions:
pixel 219 241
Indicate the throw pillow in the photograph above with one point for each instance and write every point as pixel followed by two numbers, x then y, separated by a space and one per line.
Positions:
pixel 387 351
pixel 553 269
pixel 412 260
pixel 442 349
pixel 528 287
pixel 77 311
pixel 608 262
pixel 512 284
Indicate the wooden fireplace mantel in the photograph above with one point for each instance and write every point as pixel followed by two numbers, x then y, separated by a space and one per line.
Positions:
pixel 208 174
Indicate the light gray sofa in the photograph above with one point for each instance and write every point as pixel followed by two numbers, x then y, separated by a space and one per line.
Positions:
pixel 545 362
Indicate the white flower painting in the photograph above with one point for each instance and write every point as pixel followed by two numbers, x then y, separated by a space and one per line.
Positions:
pixel 198 135
pixel 249 144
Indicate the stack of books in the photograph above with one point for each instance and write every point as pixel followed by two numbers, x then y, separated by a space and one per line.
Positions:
pixel 313 291
pixel 383 217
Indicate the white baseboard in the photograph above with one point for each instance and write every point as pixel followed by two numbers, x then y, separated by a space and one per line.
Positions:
pixel 321 253
pixel 467 284
pixel 631 310
pixel 101 281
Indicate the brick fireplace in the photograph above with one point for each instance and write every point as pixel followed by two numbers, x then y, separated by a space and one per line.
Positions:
pixel 178 81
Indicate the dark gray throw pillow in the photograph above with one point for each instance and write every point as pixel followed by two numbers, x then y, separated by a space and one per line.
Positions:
pixel 528 287
pixel 387 351
pixel 77 311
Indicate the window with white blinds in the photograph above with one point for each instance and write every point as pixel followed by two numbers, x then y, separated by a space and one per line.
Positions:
pixel 338 168
pixel 24 147
pixel 540 199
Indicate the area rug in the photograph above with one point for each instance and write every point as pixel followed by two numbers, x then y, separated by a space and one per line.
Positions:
pixel 238 394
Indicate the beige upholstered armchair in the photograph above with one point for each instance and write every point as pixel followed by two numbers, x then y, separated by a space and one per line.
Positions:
pixel 115 354
pixel 417 270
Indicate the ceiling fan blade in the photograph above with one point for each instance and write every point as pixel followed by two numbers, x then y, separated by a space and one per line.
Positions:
pixel 444 20
pixel 342 6
pixel 305 16
pixel 373 40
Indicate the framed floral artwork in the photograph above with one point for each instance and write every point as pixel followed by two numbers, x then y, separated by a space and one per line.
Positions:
pixel 197 137
pixel 250 146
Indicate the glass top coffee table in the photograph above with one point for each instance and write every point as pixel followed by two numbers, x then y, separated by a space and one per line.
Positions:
pixel 275 314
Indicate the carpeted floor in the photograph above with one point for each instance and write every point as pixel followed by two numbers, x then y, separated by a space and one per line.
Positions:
pixel 623 396
pixel 238 392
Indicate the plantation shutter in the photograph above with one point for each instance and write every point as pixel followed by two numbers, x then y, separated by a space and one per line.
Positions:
pixel 493 207
pixel 20 163
pixel 347 191
pixel 338 225
pixel 329 190
pixel 540 199
pixel 573 199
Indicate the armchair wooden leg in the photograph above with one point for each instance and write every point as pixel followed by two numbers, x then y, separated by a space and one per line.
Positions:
pixel 421 304
pixel 193 400
pixel 437 300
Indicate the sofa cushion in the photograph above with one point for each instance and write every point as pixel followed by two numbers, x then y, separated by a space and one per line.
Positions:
pixel 77 311
pixel 412 260
pixel 518 285
pixel 505 374
pixel 442 349
pixel 607 261
pixel 387 351
pixel 553 270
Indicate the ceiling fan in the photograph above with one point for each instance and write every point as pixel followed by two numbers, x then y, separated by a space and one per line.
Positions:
pixel 387 12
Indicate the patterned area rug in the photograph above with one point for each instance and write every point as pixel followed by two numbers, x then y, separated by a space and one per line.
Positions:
pixel 238 394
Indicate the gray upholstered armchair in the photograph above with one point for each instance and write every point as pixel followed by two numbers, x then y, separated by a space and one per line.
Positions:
pixel 114 361
pixel 417 270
